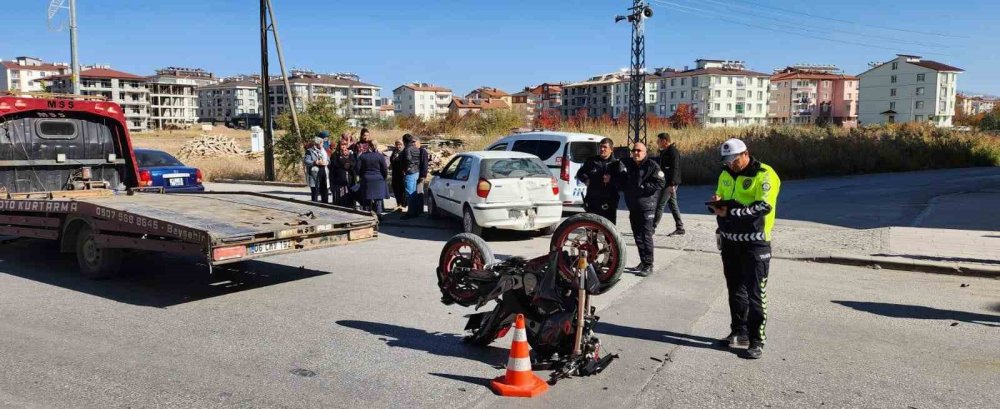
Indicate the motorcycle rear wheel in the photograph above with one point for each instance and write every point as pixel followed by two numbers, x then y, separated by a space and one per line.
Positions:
pixel 597 236
pixel 464 250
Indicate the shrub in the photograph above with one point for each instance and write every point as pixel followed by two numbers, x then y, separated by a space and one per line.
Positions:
pixel 319 115
pixel 494 122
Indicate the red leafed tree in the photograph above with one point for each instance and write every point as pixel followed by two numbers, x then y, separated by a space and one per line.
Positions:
pixel 683 117
pixel 549 119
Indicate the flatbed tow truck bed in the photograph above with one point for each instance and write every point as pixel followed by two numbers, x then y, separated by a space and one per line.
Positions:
pixel 222 227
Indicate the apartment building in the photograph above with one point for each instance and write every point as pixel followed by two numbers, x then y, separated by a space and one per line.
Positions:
pixel 492 93
pixel 908 89
pixel 622 94
pixel 813 94
pixel 173 99
pixel 23 74
pixel 230 99
pixel 533 100
pixel 975 105
pixel 128 90
pixel 422 100
pixel 720 92
pixel 354 99
pixel 593 97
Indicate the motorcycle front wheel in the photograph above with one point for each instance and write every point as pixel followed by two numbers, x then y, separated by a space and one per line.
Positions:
pixel 462 252
pixel 598 237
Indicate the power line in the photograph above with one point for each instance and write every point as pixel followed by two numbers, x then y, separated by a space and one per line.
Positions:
pixel 706 13
pixel 851 22
pixel 826 30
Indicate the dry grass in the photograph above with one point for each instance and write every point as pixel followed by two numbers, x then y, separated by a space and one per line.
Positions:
pixel 214 168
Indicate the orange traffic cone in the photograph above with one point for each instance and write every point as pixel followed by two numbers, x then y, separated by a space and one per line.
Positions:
pixel 519 381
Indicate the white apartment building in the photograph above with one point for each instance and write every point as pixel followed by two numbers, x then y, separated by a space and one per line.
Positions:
pixel 908 89
pixel 621 93
pixel 594 97
pixel 976 105
pixel 354 99
pixel 23 74
pixel 720 92
pixel 422 100
pixel 173 100
pixel 128 90
pixel 229 99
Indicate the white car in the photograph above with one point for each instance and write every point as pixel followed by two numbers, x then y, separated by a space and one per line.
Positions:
pixel 563 154
pixel 500 190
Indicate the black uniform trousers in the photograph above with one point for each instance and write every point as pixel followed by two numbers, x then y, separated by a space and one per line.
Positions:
pixel 642 222
pixel 746 265
pixel 605 207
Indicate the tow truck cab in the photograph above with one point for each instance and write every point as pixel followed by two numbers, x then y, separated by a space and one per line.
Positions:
pixel 45 144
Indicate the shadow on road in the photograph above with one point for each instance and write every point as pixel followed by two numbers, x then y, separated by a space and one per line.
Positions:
pixel 468 379
pixel 920 312
pixel 435 343
pixel 148 279
pixel 657 335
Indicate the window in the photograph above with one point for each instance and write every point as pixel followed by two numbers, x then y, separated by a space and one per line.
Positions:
pixel 512 168
pixel 918 118
pixel 892 79
pixel 760 82
pixel 718 80
pixel 498 147
pixel 718 93
pixel 729 94
pixel 673 107
pixel 56 129
pixel 694 81
pixel 920 90
pixel 892 92
pixel 673 95
pixel 760 95
pixel 673 81
pixel 717 107
pixel 683 81
pixel 464 169
pixel 729 80
pixel 895 65
pixel 541 149
pixel 892 106
pixel 579 152
pixel 451 167
pixel 729 107
pixel 683 94
pixel 920 77
pixel 919 105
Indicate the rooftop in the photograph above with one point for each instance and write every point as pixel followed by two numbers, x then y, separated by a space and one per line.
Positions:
pixel 102 73
pixel 423 86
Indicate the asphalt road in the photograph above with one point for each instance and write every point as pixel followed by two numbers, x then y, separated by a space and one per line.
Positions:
pixel 361 326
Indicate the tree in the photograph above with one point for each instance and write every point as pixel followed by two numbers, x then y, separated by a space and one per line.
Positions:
pixel 319 115
pixel 683 117
pixel 550 118
pixel 990 122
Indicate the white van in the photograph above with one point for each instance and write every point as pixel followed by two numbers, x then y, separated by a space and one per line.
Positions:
pixel 562 152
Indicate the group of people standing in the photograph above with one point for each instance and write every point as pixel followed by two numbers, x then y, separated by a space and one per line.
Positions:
pixel 648 186
pixel 355 173
pixel 744 204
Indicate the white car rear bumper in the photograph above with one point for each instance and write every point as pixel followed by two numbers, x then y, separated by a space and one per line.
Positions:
pixel 518 215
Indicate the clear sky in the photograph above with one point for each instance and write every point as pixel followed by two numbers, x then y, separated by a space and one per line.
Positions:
pixel 463 44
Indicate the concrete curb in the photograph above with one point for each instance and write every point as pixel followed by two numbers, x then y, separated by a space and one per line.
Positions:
pixel 259 182
pixel 899 263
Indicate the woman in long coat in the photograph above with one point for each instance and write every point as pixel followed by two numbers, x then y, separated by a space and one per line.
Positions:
pixel 398 168
pixel 315 162
pixel 372 170
pixel 342 175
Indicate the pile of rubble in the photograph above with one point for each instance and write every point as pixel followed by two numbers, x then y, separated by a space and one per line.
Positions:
pixel 210 146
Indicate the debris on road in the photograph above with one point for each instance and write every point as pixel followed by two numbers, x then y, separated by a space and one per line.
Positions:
pixel 964 285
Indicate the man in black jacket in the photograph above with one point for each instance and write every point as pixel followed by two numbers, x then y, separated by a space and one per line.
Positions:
pixel 642 182
pixel 600 174
pixel 670 163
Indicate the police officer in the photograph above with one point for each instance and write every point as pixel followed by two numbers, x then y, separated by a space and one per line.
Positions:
pixel 600 174
pixel 642 182
pixel 744 204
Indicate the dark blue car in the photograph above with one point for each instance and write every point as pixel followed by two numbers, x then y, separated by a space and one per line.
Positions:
pixel 158 168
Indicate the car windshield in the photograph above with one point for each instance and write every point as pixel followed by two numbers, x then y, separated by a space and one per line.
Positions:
pixel 579 152
pixel 151 159
pixel 513 168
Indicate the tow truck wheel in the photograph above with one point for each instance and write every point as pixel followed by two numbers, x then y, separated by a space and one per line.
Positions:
pixel 96 262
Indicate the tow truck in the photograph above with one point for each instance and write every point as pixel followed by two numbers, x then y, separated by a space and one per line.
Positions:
pixel 68 173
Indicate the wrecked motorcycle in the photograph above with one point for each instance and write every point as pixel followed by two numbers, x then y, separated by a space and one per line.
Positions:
pixel 586 257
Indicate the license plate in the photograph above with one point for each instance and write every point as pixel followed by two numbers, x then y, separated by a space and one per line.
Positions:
pixel 175 182
pixel 268 247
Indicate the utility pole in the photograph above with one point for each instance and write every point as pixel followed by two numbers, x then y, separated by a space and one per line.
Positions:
pixel 638 13
pixel 266 11
pixel 74 62
pixel 264 97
